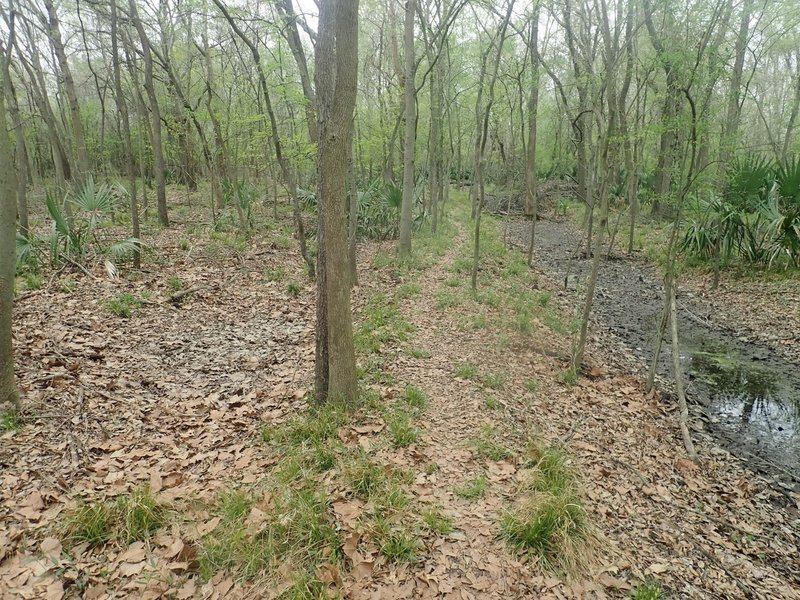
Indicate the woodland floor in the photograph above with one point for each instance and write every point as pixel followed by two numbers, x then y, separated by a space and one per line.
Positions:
pixel 176 397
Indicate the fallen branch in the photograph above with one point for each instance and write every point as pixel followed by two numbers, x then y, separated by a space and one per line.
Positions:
pixel 178 297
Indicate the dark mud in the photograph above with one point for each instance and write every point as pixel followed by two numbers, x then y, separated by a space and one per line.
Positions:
pixel 748 394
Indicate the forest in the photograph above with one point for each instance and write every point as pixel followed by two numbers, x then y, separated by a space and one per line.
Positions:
pixel 387 299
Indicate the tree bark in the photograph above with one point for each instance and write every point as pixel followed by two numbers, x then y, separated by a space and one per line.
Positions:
pixel 532 204
pixel 20 153
pixel 158 151
pixel 410 141
pixel 122 108
pixel 9 397
pixel 336 79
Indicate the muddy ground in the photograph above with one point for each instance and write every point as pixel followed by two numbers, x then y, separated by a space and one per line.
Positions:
pixel 762 431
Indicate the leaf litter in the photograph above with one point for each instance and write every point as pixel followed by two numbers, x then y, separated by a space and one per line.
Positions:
pixel 174 399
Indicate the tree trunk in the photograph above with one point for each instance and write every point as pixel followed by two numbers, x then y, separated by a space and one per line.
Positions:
pixel 410 141
pixel 21 161
pixel 9 397
pixel 158 151
pixel 287 171
pixel 69 88
pixel 532 204
pixel 122 108
pixel 296 46
pixel 336 79
pixel 483 135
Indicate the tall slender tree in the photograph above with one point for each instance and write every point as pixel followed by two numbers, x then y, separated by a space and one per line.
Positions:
pixel 336 83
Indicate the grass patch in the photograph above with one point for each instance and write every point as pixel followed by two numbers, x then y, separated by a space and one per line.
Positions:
pixel 278 273
pixel 294 525
pixel 315 426
pixel 549 520
pixel 447 299
pixel 647 590
pixel 466 371
pixel 569 377
pixel 175 284
pixel 382 325
pixel 407 290
pixel 293 289
pixel 68 286
pixel 474 488
pixel 123 305
pixel 402 432
pixel 129 518
pixel 486 446
pixel 418 353
pixel 434 521
pixel 33 281
pixel 415 397
pixel 532 385
pixel 10 420
pixel 492 403
pixel 495 381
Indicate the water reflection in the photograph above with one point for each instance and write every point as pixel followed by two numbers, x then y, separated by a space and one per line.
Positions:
pixel 755 401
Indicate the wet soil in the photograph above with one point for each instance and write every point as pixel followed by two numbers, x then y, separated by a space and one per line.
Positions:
pixel 747 393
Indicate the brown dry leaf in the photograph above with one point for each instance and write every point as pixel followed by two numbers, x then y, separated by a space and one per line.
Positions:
pixel 51 549
pixel 208 526
pixel 55 591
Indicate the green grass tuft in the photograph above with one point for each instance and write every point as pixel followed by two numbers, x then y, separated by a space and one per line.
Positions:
pixel 485 446
pixel 647 590
pixel 129 518
pixel 401 430
pixel 475 488
pixel 415 397
pixel 123 305
pixel 466 371
pixel 435 521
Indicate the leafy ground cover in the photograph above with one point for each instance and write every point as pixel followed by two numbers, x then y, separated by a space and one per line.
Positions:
pixel 174 451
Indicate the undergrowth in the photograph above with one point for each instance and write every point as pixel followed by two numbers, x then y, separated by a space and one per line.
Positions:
pixel 548 520
pixel 129 518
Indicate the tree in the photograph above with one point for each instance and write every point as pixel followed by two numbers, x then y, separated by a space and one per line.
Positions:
pixel 122 108
pixel 410 140
pixel 9 397
pixel 155 112
pixel 336 79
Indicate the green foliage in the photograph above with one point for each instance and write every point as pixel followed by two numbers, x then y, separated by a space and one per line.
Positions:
pixel 10 420
pixel 382 325
pixel 466 370
pixel 474 488
pixel 378 210
pixel 549 520
pixel 415 397
pixel 293 289
pixel 138 515
pixel 278 273
pixel 175 284
pixel 401 430
pixel 647 590
pixel 123 305
pixel 298 528
pixel 129 518
pixel 77 238
pixel 435 521
pixel 757 219
pixel 486 446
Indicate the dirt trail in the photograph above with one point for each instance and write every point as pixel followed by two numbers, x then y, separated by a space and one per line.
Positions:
pixel 640 492
pixel 754 410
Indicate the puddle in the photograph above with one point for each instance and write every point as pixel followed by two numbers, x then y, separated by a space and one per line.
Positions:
pixel 745 398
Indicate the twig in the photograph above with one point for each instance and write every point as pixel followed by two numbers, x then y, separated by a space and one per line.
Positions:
pixel 746 589
pixel 177 297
